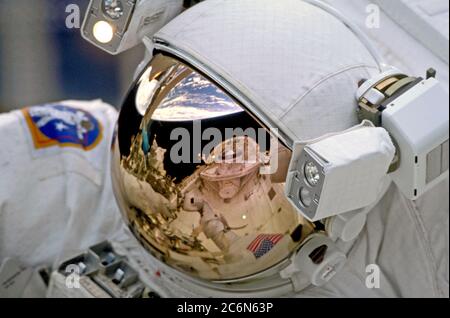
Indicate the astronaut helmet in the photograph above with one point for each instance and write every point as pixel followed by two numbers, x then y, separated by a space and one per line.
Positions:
pixel 206 133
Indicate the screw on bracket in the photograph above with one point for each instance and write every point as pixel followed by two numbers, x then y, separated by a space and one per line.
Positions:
pixel 431 73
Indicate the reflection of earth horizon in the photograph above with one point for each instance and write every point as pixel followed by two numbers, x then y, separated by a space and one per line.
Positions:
pixel 184 114
pixel 195 98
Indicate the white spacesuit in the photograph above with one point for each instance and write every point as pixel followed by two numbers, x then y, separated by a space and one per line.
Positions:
pixel 217 228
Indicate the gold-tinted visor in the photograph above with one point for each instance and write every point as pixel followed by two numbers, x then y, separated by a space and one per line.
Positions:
pixel 199 180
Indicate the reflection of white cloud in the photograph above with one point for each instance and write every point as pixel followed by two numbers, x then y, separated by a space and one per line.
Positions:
pixel 195 98
pixel 200 101
pixel 182 113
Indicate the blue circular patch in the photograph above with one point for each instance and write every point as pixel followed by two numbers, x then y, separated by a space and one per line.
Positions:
pixel 62 125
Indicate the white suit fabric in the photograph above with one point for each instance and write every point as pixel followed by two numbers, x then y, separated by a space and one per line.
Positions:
pixel 58 201
pixel 54 201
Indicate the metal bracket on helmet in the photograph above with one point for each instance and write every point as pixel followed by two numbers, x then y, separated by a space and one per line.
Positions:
pixel 318 259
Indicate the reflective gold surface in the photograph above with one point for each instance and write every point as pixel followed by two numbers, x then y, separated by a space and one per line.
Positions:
pixel 219 218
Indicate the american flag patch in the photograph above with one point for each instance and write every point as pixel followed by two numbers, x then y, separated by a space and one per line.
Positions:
pixel 263 244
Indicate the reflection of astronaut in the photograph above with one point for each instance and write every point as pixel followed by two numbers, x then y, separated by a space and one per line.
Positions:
pixel 231 166
pixel 212 224
pixel 77 119
pixel 232 169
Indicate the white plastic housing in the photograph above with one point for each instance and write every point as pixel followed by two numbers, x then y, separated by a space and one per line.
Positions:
pixel 352 168
pixel 418 121
pixel 141 18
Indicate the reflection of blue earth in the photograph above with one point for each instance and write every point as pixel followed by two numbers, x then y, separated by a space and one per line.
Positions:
pixel 195 98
